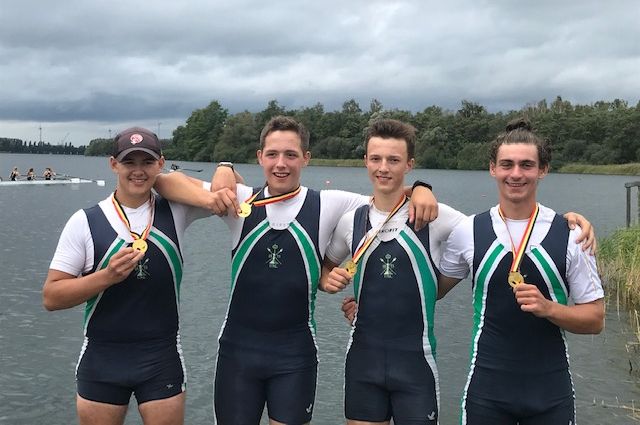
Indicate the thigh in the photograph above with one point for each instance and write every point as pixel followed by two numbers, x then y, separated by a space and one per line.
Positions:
pixel 239 390
pixel 485 413
pixel 101 375
pixel 561 414
pixel 167 411
pixel 96 413
pixel 162 376
pixel 104 392
pixel 291 395
pixel 366 396
pixel 413 387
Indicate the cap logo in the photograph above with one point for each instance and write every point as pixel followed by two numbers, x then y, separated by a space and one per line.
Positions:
pixel 136 138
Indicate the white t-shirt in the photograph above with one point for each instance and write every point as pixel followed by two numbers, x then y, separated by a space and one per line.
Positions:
pixel 333 205
pixel 75 250
pixel 339 248
pixel 582 275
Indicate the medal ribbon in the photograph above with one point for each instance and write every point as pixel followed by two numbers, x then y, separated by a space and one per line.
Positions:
pixel 363 248
pixel 271 199
pixel 517 255
pixel 125 219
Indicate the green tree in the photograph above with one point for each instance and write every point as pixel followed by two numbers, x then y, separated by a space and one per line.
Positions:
pixel 239 140
pixel 200 135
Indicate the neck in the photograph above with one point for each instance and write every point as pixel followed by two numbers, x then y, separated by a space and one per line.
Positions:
pixel 517 211
pixel 387 201
pixel 132 201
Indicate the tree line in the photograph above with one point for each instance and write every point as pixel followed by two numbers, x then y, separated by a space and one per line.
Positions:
pixel 18 146
pixel 599 133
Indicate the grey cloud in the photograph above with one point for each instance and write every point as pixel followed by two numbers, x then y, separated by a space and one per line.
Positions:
pixel 140 60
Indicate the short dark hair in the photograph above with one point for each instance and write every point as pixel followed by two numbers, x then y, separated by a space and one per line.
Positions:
pixel 392 129
pixel 519 130
pixel 284 123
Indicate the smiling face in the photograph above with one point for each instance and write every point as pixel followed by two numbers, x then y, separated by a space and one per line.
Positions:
pixel 387 162
pixel 137 174
pixel 282 160
pixel 517 172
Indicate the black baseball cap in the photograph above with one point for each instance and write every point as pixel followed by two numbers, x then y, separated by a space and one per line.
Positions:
pixel 136 139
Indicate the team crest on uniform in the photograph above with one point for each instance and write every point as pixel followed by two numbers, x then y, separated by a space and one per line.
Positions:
pixel 141 270
pixel 388 266
pixel 273 256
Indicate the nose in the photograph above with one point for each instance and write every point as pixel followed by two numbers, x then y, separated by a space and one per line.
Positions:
pixel 384 165
pixel 516 171
pixel 280 161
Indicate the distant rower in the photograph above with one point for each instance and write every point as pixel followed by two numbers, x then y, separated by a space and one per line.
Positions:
pixel 14 174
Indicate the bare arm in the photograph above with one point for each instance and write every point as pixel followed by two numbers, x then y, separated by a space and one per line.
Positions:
pixel 423 206
pixel 585 318
pixel 226 177
pixel 445 284
pixel 62 290
pixel 178 187
pixel 333 279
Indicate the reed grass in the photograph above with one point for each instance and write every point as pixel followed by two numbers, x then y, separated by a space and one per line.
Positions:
pixel 619 266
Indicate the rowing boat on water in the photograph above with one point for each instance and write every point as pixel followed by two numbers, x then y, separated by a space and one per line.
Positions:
pixel 47 182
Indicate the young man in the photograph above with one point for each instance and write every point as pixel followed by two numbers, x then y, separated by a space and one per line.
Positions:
pixel 390 367
pixel 526 268
pixel 123 258
pixel 267 351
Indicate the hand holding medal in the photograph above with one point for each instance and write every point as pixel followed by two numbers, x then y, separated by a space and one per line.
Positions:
pixel 335 281
pixel 245 210
pixel 352 265
pixel 139 243
pixel 515 279
pixel 247 205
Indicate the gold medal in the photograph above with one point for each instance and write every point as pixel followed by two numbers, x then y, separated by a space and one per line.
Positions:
pixel 351 267
pixel 515 279
pixel 140 245
pixel 245 210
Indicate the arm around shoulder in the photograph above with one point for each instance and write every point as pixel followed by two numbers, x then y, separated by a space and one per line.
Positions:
pixel 178 187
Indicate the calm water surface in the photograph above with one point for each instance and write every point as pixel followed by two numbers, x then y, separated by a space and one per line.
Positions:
pixel 39 349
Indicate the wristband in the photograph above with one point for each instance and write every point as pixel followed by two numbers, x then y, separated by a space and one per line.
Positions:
pixel 226 164
pixel 421 183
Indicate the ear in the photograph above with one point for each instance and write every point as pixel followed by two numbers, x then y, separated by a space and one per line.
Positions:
pixel 113 164
pixel 307 158
pixel 161 163
pixel 259 156
pixel 542 172
pixel 492 168
pixel 410 165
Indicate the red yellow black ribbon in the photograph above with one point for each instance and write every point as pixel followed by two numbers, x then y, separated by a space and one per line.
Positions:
pixel 141 246
pixel 352 264
pixel 515 278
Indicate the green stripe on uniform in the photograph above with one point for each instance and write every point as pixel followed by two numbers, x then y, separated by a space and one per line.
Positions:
pixel 549 271
pixel 102 264
pixel 244 249
pixel 312 263
pixel 428 286
pixel 170 250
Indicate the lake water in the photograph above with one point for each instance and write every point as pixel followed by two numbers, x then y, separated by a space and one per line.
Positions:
pixel 39 349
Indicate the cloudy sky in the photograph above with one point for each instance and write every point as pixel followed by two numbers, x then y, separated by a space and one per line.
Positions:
pixel 86 69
